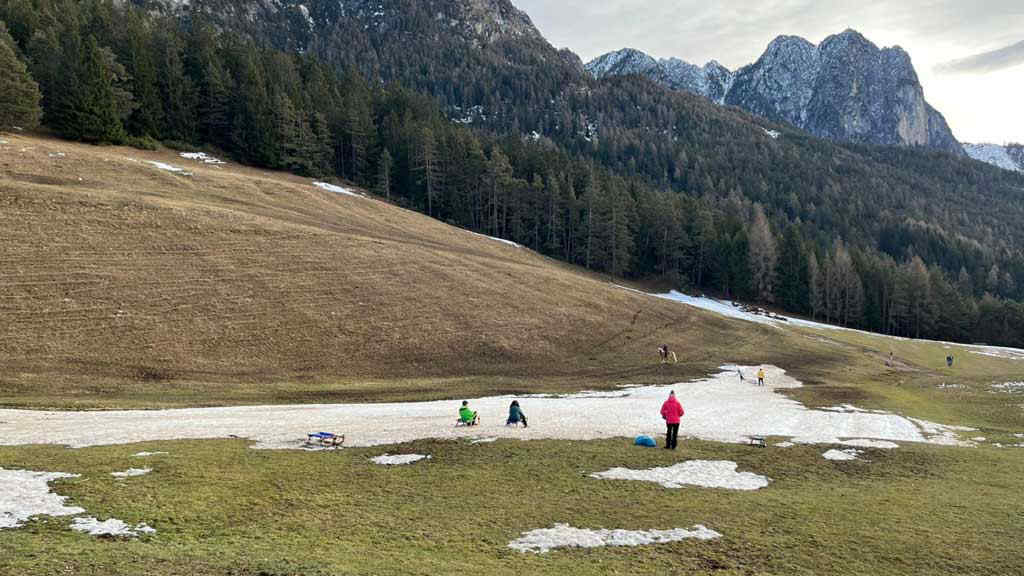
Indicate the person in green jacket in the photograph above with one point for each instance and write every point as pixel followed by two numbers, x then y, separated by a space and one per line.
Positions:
pixel 467 416
pixel 515 415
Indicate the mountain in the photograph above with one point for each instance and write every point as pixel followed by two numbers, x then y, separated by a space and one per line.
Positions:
pixel 712 80
pixel 844 89
pixel 1009 157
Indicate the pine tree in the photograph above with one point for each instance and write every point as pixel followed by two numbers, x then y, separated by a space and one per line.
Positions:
pixel 427 167
pixel 792 272
pixel 19 93
pixel 763 256
pixel 814 297
pixel 384 167
pixel 99 118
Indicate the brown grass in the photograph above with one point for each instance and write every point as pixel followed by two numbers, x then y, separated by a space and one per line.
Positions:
pixel 126 285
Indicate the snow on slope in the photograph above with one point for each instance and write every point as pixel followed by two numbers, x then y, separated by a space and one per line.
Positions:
pixel 993 154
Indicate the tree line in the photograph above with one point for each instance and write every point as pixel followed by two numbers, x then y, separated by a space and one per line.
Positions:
pixel 708 203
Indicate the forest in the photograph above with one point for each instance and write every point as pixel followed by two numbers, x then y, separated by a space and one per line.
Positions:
pixel 618 176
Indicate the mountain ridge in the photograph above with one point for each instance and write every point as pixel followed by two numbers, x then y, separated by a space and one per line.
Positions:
pixel 845 89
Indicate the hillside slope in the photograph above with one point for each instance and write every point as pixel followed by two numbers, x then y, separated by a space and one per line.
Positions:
pixel 238 285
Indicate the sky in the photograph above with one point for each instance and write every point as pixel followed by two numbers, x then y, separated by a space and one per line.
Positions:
pixel 969 55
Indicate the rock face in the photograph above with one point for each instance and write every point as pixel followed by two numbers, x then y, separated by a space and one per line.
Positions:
pixel 844 89
pixel 1010 157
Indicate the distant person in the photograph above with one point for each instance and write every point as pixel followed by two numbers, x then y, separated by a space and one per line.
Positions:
pixel 671 412
pixel 949 361
pixel 467 416
pixel 515 415
pixel 890 361
pixel 760 377
pixel 666 353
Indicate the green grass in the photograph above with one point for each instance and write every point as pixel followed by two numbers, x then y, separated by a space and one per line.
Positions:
pixel 221 508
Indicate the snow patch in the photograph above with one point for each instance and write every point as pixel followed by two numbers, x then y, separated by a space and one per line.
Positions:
pixel 842 455
pixel 993 154
pixel 147 454
pixel 201 157
pixel 57 155
pixel 112 527
pixel 564 536
pixel 786 444
pixel 131 472
pixel 337 189
pixel 169 168
pixel 868 443
pixel 502 240
pixel 942 434
pixel 24 494
pixel 1009 386
pixel 738 311
pixel 702 473
pixel 773 134
pixel 719 408
pixel 484 440
pixel 399 459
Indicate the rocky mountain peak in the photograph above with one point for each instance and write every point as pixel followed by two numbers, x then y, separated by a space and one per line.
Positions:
pixel 846 88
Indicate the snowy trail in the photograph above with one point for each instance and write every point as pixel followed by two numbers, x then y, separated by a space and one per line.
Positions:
pixel 719 408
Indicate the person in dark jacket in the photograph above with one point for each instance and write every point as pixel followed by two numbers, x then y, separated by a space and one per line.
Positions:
pixel 515 415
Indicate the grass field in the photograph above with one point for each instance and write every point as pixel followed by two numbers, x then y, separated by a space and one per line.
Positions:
pixel 125 286
pixel 221 508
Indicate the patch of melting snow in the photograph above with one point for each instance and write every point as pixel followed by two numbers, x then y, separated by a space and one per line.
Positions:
pixel 1009 387
pixel 719 408
pixel 942 434
pixel 945 386
pixel 24 494
pixel 841 455
pixel 169 168
pixel 484 440
pixel 146 454
pixel 201 157
pixel 496 239
pixel 337 189
pixel 774 134
pixel 565 536
pixel 702 473
pixel 786 444
pixel 735 310
pixel 868 443
pixel 112 527
pixel 398 459
pixel 57 155
pixel 978 439
pixel 131 472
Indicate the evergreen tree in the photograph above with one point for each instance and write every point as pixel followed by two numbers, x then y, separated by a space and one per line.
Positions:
pixel 763 256
pixel 99 113
pixel 384 167
pixel 19 93
pixel 793 280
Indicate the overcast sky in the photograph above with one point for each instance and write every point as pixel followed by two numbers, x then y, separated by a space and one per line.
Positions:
pixel 968 54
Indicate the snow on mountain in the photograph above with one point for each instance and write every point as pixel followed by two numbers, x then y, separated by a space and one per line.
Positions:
pixel 845 89
pixel 711 80
pixel 1006 157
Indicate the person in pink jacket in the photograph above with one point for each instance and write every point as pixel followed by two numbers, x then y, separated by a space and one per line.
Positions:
pixel 671 411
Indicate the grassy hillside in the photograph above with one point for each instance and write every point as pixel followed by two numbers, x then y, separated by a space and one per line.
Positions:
pixel 125 284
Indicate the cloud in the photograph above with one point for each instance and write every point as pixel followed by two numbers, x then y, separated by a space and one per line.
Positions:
pixel 985 62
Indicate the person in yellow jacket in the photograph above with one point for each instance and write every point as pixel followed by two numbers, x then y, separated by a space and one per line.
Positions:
pixel 760 377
